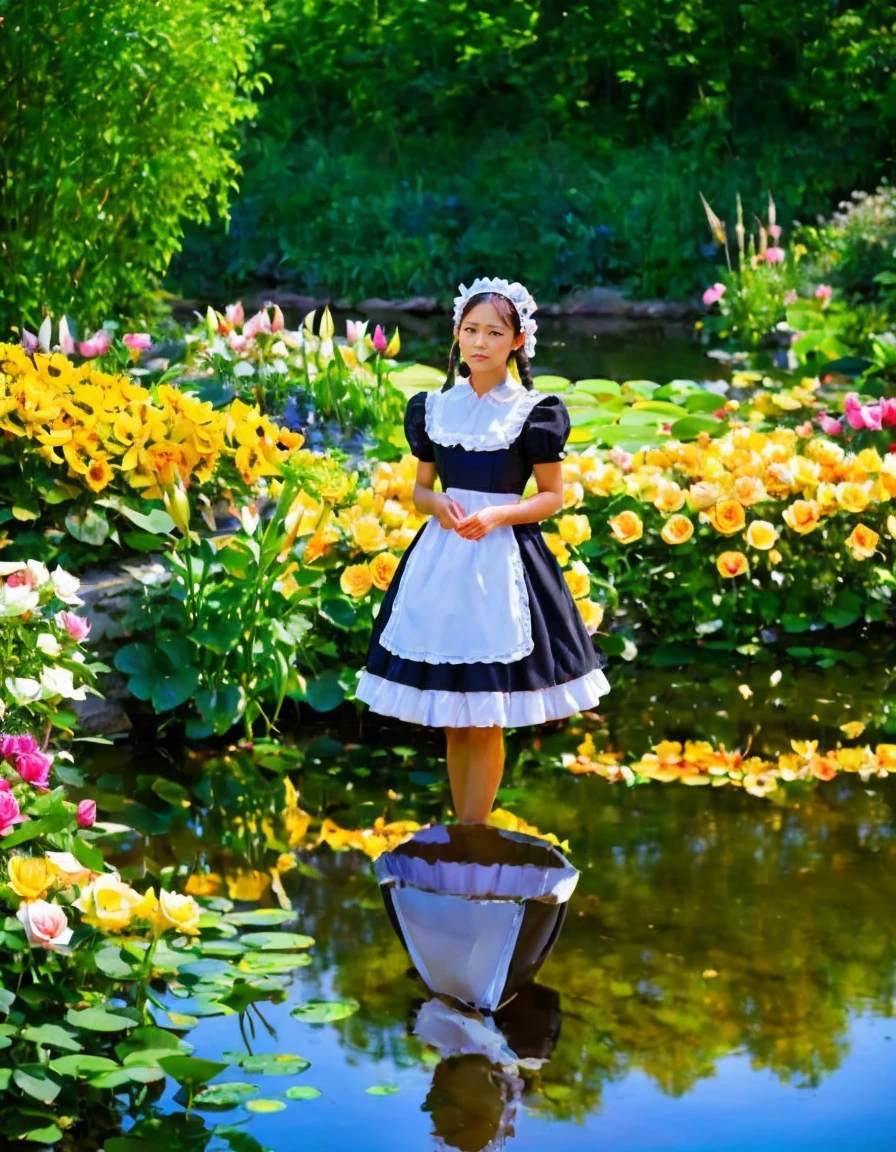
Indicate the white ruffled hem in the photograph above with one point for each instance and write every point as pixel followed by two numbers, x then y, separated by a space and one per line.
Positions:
pixel 443 709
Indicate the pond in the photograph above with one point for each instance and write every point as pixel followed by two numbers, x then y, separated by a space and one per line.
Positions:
pixel 725 978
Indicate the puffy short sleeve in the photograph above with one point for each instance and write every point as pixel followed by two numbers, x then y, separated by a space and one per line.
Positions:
pixel 546 431
pixel 415 428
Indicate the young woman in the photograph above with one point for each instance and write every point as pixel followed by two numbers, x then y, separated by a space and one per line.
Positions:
pixel 478 631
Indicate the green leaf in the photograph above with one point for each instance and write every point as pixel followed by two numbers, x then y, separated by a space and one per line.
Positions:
pixel 175 688
pixel 157 522
pixel 191 1069
pixel 325 692
pixel 275 1064
pixel 260 917
pixel 227 1095
pixel 276 941
pixel 302 1092
pixel 382 1090
pixel 99 1020
pixel 82 1065
pixel 32 829
pixel 136 658
pixel 90 526
pixel 689 427
pixel 339 611
pixel 52 1036
pixel 36 1080
pixel 324 1011
pixel 262 1105
pixel 87 854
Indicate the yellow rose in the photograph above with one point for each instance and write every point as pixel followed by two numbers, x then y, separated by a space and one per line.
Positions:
pixel 762 535
pixel 592 614
pixel 108 903
pixel 870 459
pixel 731 564
pixel 891 526
pixel 727 517
pixel 802 516
pixel 382 569
pixel 749 490
pixel 669 497
pixel 574 529
pixel 557 547
pixel 775 556
pixel 626 527
pixel 573 494
pixel 578 579
pixel 862 542
pixel 677 530
pixel 702 495
pixel 30 876
pixel 369 534
pixel 356 580
pixel 178 912
pixel 852 497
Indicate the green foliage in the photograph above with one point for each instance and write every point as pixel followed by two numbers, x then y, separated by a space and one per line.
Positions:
pixel 117 123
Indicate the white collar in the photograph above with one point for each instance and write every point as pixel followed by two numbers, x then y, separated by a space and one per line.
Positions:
pixel 479 423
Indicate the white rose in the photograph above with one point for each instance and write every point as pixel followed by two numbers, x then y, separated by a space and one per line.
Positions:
pixel 17 601
pixel 60 682
pixel 48 644
pixel 40 573
pixel 66 586
pixel 23 689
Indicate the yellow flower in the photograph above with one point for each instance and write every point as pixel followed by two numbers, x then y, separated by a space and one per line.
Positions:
pixel 626 527
pixel 802 516
pixel 382 569
pixel 669 497
pixel 555 543
pixel 247 885
pixel 592 614
pixel 178 912
pixel 862 542
pixel 204 884
pixel 356 580
pixel 853 497
pixel 761 535
pixel 891 526
pixel 369 534
pixel 702 495
pixel 731 564
pixel 870 459
pixel 677 530
pixel 574 529
pixel 749 490
pixel 286 861
pixel 98 474
pixel 727 517
pixel 108 903
pixel 578 579
pixel 30 876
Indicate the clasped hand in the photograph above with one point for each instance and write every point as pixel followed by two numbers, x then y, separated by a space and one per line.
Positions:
pixel 451 514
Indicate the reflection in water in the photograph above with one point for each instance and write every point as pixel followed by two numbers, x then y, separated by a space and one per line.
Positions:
pixel 478 910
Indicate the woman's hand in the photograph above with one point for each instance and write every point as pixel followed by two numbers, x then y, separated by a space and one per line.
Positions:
pixel 480 523
pixel 447 511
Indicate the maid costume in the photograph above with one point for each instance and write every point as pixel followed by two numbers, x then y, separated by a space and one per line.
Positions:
pixel 475 633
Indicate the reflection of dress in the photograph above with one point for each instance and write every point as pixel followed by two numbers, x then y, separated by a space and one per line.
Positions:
pixel 481 632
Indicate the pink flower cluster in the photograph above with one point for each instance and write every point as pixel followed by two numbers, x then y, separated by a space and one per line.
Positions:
pixel 32 765
pixel 874 416
pixel 263 321
pixel 76 626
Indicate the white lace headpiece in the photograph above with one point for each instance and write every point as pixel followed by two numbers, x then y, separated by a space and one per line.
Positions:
pixel 518 296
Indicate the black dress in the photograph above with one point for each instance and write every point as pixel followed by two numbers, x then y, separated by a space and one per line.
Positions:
pixel 475 633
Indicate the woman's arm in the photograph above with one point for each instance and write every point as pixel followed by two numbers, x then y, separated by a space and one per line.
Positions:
pixel 428 502
pixel 547 501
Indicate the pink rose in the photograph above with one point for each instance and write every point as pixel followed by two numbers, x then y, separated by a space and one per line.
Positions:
pixel 45 925
pixel 76 626
pixel 137 341
pixel 824 292
pixel 774 255
pixel 20 579
pixel 888 412
pixel 714 294
pixel 829 425
pixel 380 343
pixel 86 813
pixel 15 745
pixel 34 768
pixel 9 813
pixel 852 407
pixel 4 784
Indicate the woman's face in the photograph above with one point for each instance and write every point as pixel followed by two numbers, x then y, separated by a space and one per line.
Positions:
pixel 486 340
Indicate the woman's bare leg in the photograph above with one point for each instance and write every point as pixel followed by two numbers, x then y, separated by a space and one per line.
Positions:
pixel 458 759
pixel 485 767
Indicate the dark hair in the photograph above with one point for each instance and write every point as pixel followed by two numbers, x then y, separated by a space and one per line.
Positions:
pixel 508 313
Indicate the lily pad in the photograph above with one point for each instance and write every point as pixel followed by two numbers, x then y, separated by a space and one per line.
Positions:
pixel 382 1090
pixel 276 941
pixel 325 1011
pixel 227 1095
pixel 260 917
pixel 275 1064
pixel 303 1092
pixel 265 1105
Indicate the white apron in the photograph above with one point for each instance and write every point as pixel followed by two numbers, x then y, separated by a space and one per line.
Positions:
pixel 462 601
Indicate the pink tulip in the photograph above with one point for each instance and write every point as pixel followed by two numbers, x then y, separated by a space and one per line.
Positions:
pixel 260 322
pixel 774 230
pixel 237 341
pixel 277 319
pixel 888 412
pixel 829 425
pixel 714 294
pixel 98 344
pixel 86 813
pixel 824 292
pixel 9 813
pixel 45 925
pixel 234 313
pixel 380 343
pixel 852 407
pixel 34 768
pixel 137 341
pixel 351 331
pixel 17 745
pixel 774 255
pixel 872 415
pixel 76 626
pixel 66 340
